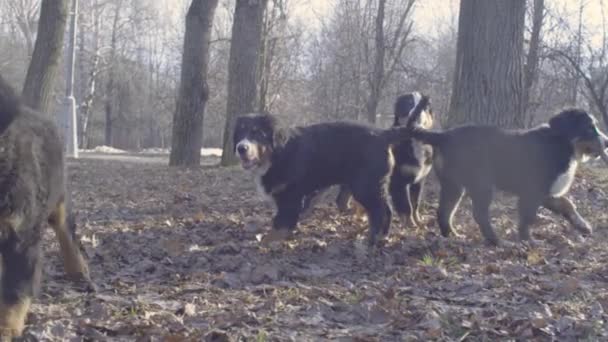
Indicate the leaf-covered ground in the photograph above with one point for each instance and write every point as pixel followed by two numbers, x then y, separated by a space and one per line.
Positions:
pixel 176 257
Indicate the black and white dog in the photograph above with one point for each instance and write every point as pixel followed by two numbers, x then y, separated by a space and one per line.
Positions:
pixel 536 165
pixel 413 162
pixel 290 164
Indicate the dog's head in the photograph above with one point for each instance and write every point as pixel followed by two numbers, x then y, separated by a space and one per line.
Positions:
pixel 255 136
pixel 404 106
pixel 582 130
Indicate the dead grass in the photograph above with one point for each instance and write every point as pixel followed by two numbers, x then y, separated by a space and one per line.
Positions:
pixel 175 254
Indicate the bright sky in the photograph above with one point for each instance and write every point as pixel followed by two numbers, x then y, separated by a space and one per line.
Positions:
pixel 431 17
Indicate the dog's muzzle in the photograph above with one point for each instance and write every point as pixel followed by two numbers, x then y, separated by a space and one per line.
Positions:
pixel 247 152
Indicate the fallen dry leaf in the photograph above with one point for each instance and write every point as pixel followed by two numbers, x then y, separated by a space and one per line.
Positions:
pixel 176 257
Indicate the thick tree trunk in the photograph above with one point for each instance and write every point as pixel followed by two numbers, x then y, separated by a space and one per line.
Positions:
pixel 187 137
pixel 242 67
pixel 88 84
pixel 377 77
pixel 488 80
pixel 110 85
pixel 532 59
pixel 47 53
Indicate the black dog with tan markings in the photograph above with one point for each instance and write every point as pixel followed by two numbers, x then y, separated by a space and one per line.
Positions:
pixel 536 165
pixel 290 164
pixel 413 161
pixel 32 193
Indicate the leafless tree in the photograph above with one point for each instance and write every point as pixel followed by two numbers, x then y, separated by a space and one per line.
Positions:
pixel 26 13
pixel 110 83
pixel 242 70
pixel 89 65
pixel 588 62
pixel 393 45
pixel 193 92
pixel 46 56
pixel 533 56
pixel 488 84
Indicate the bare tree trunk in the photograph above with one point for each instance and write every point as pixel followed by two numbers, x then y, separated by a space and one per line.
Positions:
pixel 488 80
pixel 89 84
pixel 47 52
pixel 377 76
pixel 264 61
pixel 242 73
pixel 26 14
pixel 579 44
pixel 193 91
pixel 532 59
pixel 109 100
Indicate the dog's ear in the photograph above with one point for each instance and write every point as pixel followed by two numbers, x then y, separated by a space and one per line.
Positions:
pixel 279 134
pixel 279 138
pixel 417 111
pixel 560 123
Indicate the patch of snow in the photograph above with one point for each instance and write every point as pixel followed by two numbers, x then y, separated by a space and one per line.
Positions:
pixel 155 150
pixel 105 149
pixel 205 152
pixel 211 152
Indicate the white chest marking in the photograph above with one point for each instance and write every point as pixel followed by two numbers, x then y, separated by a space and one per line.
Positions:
pixel 257 178
pixel 562 183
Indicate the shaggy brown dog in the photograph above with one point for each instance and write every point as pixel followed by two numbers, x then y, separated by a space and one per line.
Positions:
pixel 32 193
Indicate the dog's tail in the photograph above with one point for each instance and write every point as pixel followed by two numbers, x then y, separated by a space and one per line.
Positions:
pixel 9 105
pixel 434 139
pixel 400 133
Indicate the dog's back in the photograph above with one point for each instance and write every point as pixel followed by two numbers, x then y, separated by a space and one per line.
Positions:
pixel 514 161
pixel 332 152
pixel 31 164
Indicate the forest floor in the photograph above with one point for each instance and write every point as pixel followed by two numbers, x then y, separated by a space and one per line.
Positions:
pixel 176 257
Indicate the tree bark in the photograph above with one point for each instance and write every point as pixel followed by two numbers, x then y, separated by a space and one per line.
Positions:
pixel 377 76
pixel 110 84
pixel 532 59
pixel 42 70
pixel 88 84
pixel 242 67
pixel 488 80
pixel 187 137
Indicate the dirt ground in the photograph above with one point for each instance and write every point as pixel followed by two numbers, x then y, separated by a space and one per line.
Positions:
pixel 176 257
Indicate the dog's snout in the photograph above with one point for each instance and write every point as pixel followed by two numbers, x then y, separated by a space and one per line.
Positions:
pixel 242 148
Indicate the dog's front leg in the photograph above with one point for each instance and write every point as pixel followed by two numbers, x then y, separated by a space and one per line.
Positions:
pixel 564 207
pixel 400 196
pixel 528 208
pixel 286 218
pixel 415 190
pixel 344 198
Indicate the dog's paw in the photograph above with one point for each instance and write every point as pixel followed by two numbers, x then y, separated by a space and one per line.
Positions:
pixel 583 226
pixel 417 220
pixel 493 241
pixel 276 235
pixel 531 243
pixel 408 222
pixel 508 244
pixel 85 284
